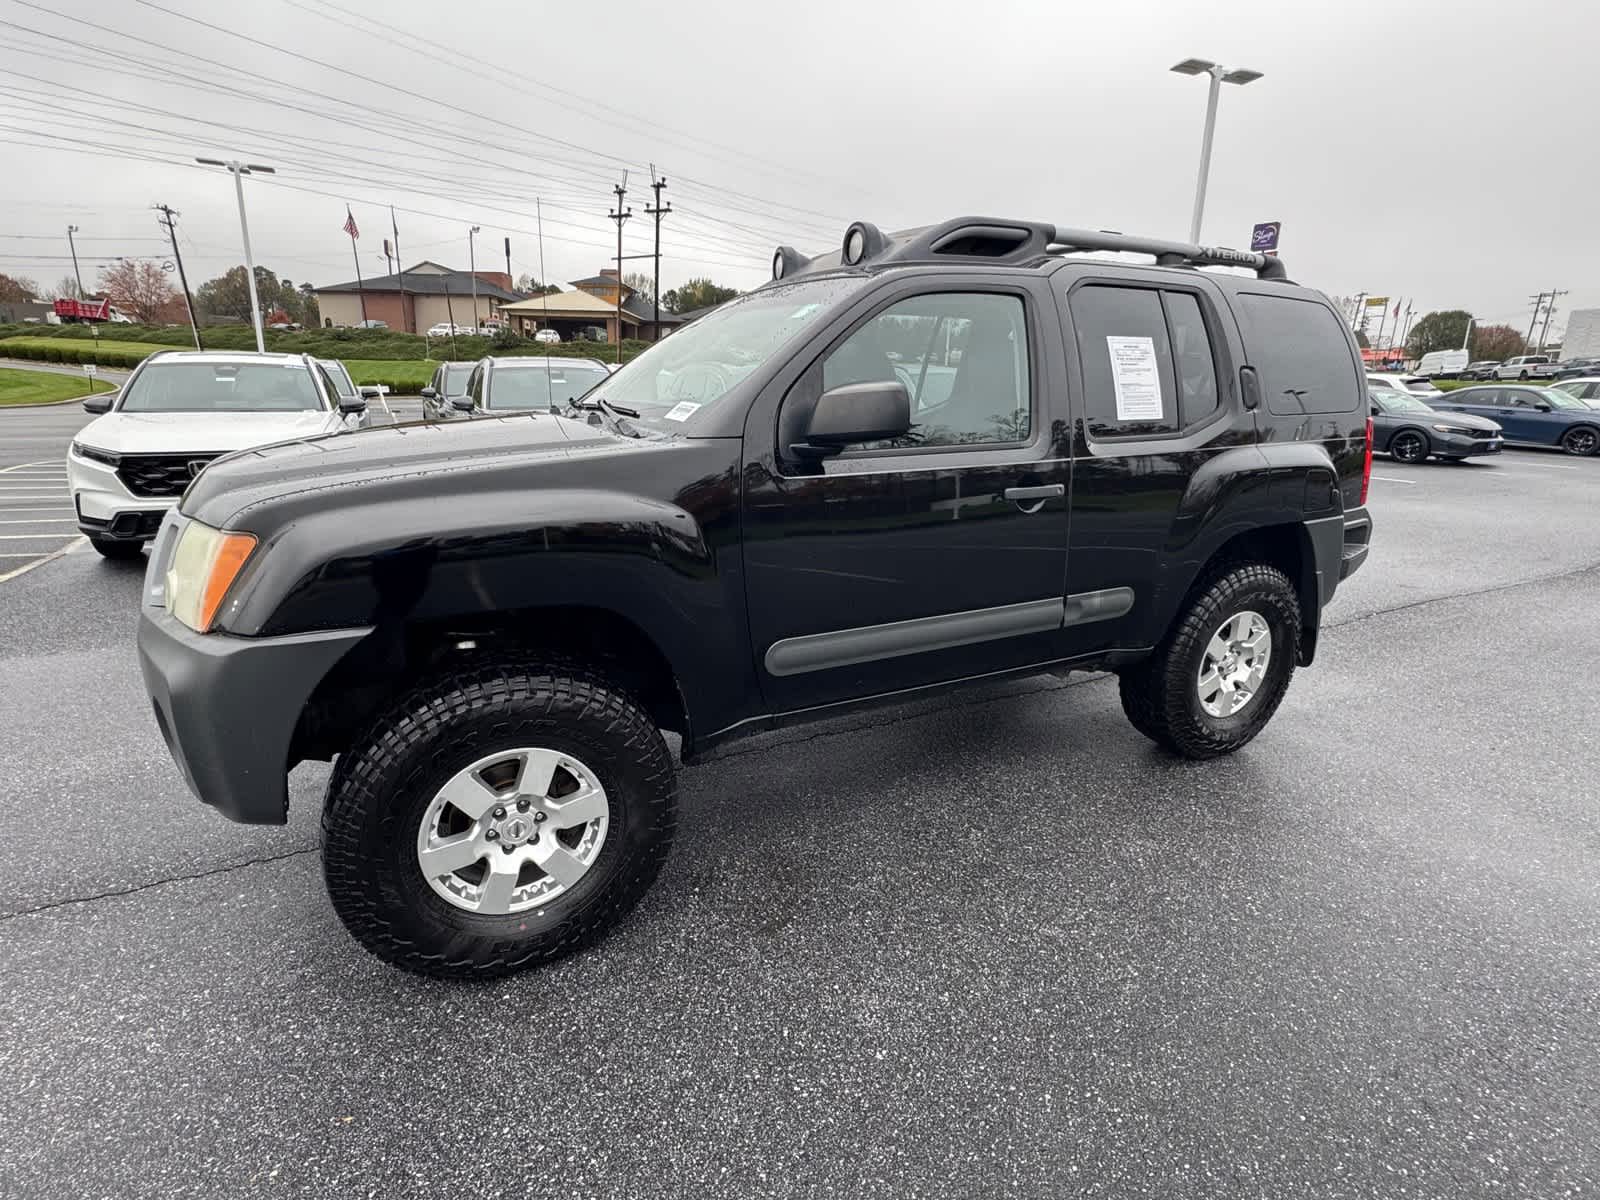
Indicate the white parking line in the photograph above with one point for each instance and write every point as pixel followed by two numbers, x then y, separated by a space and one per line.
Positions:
pixel 31 537
pixel 40 520
pixel 39 562
pixel 1393 479
pixel 22 466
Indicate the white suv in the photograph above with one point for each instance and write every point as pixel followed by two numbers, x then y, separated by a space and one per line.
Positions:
pixel 177 412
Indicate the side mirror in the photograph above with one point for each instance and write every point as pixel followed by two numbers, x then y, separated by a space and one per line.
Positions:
pixel 857 412
pixel 349 406
pixel 461 403
pixel 100 403
pixel 1375 411
pixel 1541 405
pixel 372 390
pixel 430 393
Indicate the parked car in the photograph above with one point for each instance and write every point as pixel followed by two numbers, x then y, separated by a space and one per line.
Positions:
pixel 348 390
pixel 1531 416
pixel 372 325
pixel 1483 369
pixel 448 384
pixel 1413 385
pixel 1410 432
pixel 752 524
pixel 1585 388
pixel 1573 368
pixel 1526 366
pixel 548 337
pixel 176 412
pixel 1442 364
pixel 445 329
pixel 526 384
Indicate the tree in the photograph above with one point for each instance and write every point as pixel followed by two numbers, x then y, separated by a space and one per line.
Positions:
pixel 529 286
pixel 228 295
pixel 1438 331
pixel 139 287
pixel 66 288
pixel 14 291
pixel 641 283
pixel 1498 342
pixel 697 293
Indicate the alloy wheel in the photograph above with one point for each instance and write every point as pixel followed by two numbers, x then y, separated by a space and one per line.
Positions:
pixel 1234 664
pixel 1580 441
pixel 513 831
pixel 1408 448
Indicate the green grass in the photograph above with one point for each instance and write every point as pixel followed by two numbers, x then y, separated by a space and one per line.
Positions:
pixel 404 376
pixel 107 352
pixel 44 387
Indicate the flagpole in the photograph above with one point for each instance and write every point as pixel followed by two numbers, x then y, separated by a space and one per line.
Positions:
pixel 350 228
pixel 395 228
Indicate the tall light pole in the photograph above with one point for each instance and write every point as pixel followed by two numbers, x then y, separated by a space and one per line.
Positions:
pixel 76 274
pixel 472 267
pixel 1219 76
pixel 239 171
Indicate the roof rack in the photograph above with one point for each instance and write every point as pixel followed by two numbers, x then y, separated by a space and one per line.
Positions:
pixel 1167 254
pixel 998 240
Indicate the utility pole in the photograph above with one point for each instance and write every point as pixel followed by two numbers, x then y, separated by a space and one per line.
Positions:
pixel 472 269
pixel 239 170
pixel 1549 311
pixel 1355 317
pixel 76 274
pixel 657 186
pixel 619 216
pixel 511 280
pixel 1538 303
pixel 168 214
pixel 407 326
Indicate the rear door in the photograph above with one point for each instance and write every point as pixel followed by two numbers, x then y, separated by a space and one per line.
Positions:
pixel 934 557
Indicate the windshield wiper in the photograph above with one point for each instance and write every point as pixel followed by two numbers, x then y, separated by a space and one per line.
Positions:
pixel 605 406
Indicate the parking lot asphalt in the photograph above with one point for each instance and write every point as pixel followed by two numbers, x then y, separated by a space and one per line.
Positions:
pixel 989 944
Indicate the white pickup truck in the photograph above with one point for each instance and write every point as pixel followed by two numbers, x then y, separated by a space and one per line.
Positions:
pixel 1526 366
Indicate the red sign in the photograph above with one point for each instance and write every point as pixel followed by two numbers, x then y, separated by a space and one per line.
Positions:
pixel 83 310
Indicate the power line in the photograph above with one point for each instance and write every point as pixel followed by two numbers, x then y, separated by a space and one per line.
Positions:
pixel 656 213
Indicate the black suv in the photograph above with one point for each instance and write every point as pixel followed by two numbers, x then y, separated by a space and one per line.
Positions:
pixel 930 458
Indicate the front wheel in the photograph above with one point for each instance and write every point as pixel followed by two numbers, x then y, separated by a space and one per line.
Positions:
pixel 497 818
pixel 1581 441
pixel 1220 674
pixel 1409 447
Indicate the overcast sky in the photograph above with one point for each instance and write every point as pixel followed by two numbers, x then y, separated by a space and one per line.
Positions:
pixel 1443 152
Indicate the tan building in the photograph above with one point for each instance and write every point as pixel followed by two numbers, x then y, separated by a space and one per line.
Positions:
pixel 423 296
pixel 591 311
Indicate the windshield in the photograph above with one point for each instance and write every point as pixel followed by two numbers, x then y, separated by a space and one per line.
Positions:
pixel 1401 403
pixel 221 387
pixel 695 367
pixel 1558 399
pixel 455 378
pixel 539 386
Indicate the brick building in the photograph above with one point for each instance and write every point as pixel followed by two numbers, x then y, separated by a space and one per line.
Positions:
pixel 424 295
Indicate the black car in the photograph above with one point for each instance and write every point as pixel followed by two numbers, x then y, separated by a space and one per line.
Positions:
pixel 1411 432
pixel 449 383
pixel 1484 369
pixel 927 459
pixel 1530 415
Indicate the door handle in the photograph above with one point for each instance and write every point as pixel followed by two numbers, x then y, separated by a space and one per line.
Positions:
pixel 1044 491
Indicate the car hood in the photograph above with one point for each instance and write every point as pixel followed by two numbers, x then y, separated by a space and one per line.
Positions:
pixel 448 459
pixel 190 433
pixel 1467 420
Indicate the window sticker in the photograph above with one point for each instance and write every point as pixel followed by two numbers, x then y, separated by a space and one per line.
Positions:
pixel 682 411
pixel 1134 375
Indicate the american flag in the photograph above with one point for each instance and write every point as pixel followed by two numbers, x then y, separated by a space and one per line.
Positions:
pixel 350 223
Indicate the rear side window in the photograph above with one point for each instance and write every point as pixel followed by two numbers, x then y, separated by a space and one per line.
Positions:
pixel 1148 366
pixel 1300 349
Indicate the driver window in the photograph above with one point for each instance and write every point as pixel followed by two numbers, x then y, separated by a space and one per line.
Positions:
pixel 962 358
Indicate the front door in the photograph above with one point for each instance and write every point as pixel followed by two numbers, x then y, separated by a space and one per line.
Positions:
pixel 937 556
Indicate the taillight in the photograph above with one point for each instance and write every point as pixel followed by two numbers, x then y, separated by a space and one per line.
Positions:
pixel 1366 466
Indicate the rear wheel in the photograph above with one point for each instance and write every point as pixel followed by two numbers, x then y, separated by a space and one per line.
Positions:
pixel 497 818
pixel 1408 447
pixel 1222 671
pixel 1582 441
pixel 110 548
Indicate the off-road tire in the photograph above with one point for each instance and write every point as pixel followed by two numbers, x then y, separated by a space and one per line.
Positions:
pixel 383 784
pixel 115 550
pixel 1160 694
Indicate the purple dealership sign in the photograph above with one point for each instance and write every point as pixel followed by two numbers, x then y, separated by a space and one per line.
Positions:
pixel 1264 237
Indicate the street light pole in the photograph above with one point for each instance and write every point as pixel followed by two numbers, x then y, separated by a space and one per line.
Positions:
pixel 1219 76
pixel 76 274
pixel 472 267
pixel 239 171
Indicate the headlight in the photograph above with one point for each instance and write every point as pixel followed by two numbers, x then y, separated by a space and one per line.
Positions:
pixel 1451 429
pixel 99 456
pixel 204 565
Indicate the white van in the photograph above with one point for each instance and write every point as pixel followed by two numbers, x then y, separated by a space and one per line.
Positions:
pixel 1446 364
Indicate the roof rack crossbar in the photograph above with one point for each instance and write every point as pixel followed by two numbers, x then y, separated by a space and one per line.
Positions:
pixel 1063 240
